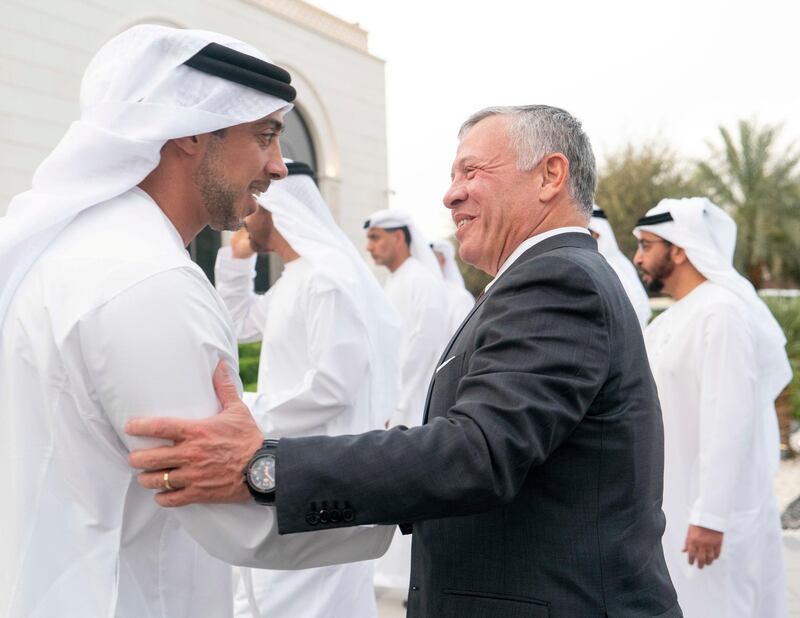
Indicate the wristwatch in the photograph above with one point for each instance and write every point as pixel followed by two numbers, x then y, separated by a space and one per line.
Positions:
pixel 259 475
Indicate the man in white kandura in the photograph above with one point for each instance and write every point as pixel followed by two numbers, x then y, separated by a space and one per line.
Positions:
pixel 416 291
pixel 607 245
pixel 460 302
pixel 104 317
pixel 328 366
pixel 414 288
pixel 719 362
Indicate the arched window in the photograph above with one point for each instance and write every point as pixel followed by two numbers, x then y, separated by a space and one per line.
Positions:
pixel 296 144
pixel 296 140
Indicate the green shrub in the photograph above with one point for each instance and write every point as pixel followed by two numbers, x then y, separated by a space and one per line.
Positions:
pixel 249 353
pixel 787 312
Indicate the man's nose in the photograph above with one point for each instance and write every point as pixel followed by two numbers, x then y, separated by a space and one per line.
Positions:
pixel 275 167
pixel 455 195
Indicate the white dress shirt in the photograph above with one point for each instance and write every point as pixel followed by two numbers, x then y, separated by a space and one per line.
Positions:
pixel 527 244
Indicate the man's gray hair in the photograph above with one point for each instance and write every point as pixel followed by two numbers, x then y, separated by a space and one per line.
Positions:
pixel 536 131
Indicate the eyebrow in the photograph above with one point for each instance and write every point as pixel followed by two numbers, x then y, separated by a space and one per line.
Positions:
pixel 277 125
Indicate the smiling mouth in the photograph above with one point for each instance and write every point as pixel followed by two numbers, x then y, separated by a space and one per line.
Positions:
pixel 461 219
pixel 463 222
pixel 257 189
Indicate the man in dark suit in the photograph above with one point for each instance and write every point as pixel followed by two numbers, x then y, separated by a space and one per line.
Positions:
pixel 534 486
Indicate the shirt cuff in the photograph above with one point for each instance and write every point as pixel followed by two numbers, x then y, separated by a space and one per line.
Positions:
pixel 258 404
pixel 240 265
pixel 708 520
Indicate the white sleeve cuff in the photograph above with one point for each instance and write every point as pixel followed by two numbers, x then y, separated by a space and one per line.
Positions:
pixel 231 264
pixel 708 520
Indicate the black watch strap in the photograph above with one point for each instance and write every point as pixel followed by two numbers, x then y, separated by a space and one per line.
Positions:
pixel 268 447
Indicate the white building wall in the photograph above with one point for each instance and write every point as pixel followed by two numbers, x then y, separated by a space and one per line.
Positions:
pixel 45 46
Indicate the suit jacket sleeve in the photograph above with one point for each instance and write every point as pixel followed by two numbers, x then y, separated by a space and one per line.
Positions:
pixel 527 366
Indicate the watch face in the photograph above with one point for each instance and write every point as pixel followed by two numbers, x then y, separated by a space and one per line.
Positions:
pixel 261 473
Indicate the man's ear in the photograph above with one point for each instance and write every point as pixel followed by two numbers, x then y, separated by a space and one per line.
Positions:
pixel 555 170
pixel 678 255
pixel 191 145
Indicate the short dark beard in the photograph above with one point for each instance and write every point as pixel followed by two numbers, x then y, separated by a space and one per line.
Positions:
pixel 219 199
pixel 655 286
pixel 660 271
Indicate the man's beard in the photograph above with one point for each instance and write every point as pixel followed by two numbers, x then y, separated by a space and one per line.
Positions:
pixel 219 198
pixel 658 272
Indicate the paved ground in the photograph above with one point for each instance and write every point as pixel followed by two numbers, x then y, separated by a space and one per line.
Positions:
pixel 390 603
pixel 787 488
pixel 791 543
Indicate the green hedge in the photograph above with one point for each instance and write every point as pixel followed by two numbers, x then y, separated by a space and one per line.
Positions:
pixel 249 354
pixel 787 312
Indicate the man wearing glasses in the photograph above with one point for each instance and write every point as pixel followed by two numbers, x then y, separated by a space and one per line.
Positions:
pixel 719 362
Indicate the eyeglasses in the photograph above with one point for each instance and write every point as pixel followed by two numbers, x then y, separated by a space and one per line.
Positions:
pixel 644 245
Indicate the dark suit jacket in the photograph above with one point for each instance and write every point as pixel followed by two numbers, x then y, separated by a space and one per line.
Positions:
pixel 534 486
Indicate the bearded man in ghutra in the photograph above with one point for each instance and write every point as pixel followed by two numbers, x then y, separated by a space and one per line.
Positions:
pixel 719 360
pixel 103 316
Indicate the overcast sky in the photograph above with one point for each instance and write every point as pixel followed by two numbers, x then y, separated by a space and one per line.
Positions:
pixel 631 70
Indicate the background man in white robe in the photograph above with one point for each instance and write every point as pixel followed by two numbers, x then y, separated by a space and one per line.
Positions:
pixel 719 362
pixel 607 246
pixel 460 301
pixel 328 365
pixel 103 317
pixel 415 289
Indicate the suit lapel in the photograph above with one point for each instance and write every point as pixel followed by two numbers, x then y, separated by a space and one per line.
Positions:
pixel 569 239
pixel 447 349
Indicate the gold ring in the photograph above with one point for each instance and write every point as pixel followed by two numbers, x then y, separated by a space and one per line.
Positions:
pixel 167 486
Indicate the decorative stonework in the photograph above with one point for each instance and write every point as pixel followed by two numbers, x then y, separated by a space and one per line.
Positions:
pixel 317 20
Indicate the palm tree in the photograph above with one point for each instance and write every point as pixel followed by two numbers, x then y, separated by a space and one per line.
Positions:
pixel 756 179
pixel 787 312
pixel 636 178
